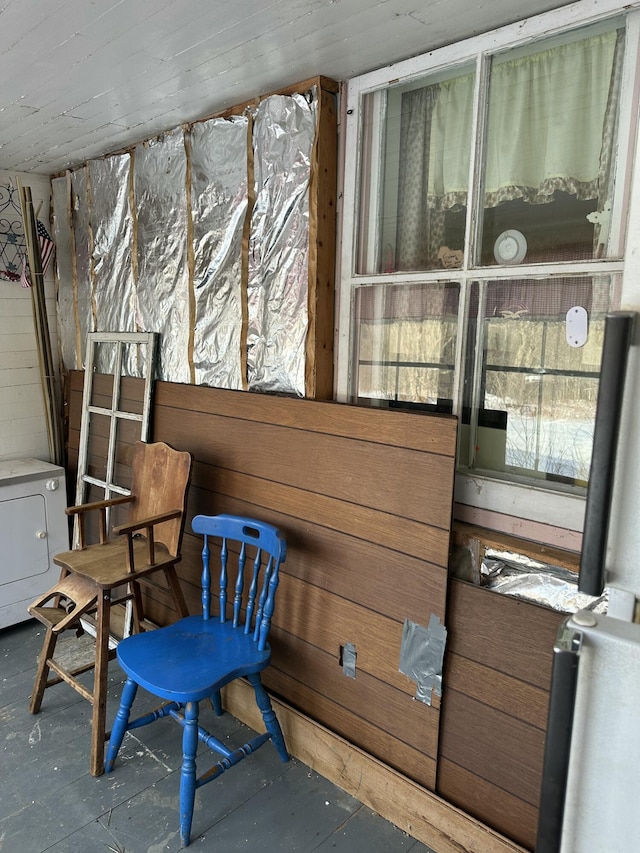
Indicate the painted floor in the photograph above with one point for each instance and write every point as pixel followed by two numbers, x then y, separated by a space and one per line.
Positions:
pixel 49 802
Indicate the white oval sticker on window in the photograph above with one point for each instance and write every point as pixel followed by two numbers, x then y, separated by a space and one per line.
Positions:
pixel 577 326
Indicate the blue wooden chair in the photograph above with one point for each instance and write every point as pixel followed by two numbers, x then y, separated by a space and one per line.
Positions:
pixel 195 657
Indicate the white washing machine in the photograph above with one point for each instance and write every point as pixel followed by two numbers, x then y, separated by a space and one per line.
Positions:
pixel 33 528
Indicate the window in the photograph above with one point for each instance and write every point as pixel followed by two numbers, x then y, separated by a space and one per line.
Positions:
pixel 484 208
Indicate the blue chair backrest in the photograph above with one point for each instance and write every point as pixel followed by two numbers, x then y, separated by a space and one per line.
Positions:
pixel 267 550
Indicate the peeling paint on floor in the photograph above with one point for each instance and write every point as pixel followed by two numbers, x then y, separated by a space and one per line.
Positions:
pixel 146 751
pixel 35 735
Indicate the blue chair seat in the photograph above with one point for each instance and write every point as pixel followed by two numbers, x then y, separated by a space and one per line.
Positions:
pixel 196 657
pixel 191 659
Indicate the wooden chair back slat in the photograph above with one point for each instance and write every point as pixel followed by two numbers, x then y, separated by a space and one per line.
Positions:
pixel 160 479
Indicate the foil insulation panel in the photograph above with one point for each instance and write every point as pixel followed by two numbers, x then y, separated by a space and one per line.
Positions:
pixel 552 586
pixel 160 170
pixel 219 201
pixel 283 137
pixel 112 225
pixel 82 244
pixel 61 203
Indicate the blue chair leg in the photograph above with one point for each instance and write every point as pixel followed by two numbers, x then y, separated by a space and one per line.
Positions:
pixel 269 716
pixel 216 701
pixel 188 775
pixel 120 723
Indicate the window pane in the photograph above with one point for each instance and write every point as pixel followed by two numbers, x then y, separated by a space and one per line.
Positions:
pixel 531 407
pixel 414 174
pixel 550 140
pixel 405 340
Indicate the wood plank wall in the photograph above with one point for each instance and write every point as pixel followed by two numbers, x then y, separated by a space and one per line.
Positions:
pixel 494 713
pixel 364 498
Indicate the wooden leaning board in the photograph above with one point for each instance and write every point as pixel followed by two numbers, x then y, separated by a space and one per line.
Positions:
pixel 364 498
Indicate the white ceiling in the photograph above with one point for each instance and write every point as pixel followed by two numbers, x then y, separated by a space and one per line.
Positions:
pixel 82 78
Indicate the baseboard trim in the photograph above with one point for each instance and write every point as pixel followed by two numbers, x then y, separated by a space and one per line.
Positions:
pixel 412 808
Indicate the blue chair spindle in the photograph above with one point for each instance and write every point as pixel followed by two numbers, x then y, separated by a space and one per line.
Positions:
pixel 237 601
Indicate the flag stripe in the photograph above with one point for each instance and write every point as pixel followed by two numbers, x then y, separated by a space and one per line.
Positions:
pixel 47 247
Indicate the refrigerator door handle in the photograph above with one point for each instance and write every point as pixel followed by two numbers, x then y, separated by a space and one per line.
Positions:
pixel 615 350
pixel 564 681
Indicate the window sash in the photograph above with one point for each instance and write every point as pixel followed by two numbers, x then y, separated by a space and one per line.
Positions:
pixel 563 507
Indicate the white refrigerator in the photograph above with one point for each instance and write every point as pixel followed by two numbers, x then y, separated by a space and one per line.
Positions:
pixel 590 798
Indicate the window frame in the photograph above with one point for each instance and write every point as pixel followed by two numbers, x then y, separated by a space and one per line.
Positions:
pixel 560 506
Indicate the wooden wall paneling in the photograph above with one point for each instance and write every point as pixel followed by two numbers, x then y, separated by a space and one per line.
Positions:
pixel 396 752
pixel 343 503
pixel 310 461
pixel 329 621
pixel 437 435
pixel 363 479
pixel 500 690
pixel 364 499
pixel 329 559
pixel 354 572
pixel 501 632
pixel 390 582
pixel 391 531
pixel 397 585
pixel 378 702
pixel 494 806
pixel 493 746
pixel 494 707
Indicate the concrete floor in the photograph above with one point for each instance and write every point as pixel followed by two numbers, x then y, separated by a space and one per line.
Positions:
pixel 49 802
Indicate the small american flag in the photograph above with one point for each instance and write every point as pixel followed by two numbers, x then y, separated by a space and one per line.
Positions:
pixel 47 248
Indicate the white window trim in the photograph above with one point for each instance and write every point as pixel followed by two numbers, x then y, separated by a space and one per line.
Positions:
pixel 557 508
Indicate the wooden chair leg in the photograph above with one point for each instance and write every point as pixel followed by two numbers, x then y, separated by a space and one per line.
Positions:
pixel 176 591
pixel 98 718
pixel 42 674
pixel 136 604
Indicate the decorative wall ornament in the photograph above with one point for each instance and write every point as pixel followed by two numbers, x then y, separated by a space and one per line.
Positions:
pixel 12 239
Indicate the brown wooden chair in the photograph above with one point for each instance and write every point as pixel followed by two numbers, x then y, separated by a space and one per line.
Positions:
pixel 96 577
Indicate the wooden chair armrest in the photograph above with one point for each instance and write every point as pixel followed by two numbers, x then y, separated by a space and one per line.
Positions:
pixel 152 520
pixel 146 524
pixel 82 509
pixel 79 508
